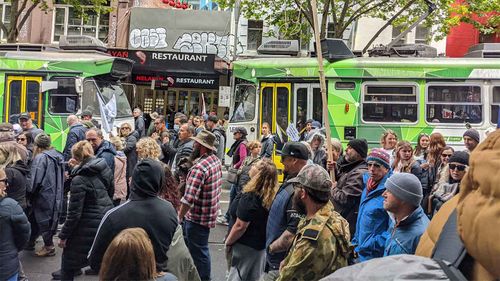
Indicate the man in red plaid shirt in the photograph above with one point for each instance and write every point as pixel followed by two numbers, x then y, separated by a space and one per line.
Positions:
pixel 200 203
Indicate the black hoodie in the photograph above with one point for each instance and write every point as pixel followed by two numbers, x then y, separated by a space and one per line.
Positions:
pixel 145 210
pixel 17 180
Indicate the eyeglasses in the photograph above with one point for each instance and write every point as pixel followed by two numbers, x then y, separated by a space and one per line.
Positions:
pixel 21 139
pixel 4 180
pixel 375 165
pixel 446 155
pixel 460 168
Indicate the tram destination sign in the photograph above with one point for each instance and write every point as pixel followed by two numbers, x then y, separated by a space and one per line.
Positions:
pixel 153 61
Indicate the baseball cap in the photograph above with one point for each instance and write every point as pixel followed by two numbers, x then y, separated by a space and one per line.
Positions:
pixel 241 130
pixel 86 113
pixel 296 150
pixel 25 115
pixel 313 177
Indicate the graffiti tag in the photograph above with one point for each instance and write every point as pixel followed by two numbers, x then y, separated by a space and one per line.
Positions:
pixel 155 38
pixel 203 43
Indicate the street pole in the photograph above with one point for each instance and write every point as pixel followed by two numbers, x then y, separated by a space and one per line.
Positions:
pixel 322 82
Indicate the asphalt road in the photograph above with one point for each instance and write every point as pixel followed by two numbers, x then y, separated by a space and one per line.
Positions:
pixel 40 269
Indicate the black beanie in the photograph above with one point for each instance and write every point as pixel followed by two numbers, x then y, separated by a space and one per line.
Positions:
pixel 461 157
pixel 148 178
pixel 360 145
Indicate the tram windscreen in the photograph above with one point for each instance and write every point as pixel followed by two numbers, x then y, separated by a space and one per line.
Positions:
pixel 244 103
pixel 107 89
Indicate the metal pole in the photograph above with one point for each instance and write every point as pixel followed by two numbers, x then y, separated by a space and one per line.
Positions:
pixel 322 81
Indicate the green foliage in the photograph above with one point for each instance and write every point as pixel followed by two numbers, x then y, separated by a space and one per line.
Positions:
pixel 292 16
pixel 21 10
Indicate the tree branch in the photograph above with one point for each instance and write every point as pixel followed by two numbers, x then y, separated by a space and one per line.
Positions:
pixel 27 14
pixel 389 22
pixel 307 14
pixel 324 19
pixel 4 28
pixel 355 16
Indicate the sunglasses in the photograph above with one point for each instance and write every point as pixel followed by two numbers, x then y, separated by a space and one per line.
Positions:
pixel 445 155
pixel 4 180
pixel 21 139
pixel 375 165
pixel 460 168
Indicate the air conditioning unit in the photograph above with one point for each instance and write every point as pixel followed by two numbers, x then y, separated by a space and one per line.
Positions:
pixel 484 50
pixel 81 42
pixel 280 47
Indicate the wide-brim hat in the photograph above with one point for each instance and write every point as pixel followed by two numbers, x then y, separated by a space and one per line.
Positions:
pixel 205 138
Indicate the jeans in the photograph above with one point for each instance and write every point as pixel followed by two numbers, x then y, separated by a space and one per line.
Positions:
pixel 235 189
pixel 13 277
pixel 196 238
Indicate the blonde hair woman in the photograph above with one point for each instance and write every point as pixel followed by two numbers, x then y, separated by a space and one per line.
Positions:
pixel 249 211
pixel 17 172
pixel 130 256
pixel 148 148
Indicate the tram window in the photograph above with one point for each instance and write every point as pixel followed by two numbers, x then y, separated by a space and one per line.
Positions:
pixel 317 105
pixel 64 99
pixel 267 107
pixel 454 104
pixel 495 104
pixel 15 97
pixel 301 107
pixel 282 114
pixel 244 103
pixel 390 103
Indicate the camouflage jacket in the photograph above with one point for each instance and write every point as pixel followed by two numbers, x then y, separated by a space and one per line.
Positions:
pixel 320 247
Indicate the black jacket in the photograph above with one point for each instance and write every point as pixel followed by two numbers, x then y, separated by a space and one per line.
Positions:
pixel 14 233
pixel 89 201
pixel 145 210
pixel 346 195
pixel 130 152
pixel 17 178
pixel 76 133
pixel 178 150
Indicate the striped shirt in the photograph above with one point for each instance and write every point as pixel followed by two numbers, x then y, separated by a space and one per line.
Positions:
pixel 203 188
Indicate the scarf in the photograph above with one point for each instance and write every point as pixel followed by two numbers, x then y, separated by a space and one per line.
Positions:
pixel 371 185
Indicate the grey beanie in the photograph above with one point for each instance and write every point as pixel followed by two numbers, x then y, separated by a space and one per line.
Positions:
pixel 406 187
pixel 42 141
pixel 473 134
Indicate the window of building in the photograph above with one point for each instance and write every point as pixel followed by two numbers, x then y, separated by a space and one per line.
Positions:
pixel 64 99
pixel 67 22
pixel 495 104
pixel 454 104
pixel 255 29
pixel 390 103
pixel 421 35
pixel 330 30
pixel 396 31
pixel 5 14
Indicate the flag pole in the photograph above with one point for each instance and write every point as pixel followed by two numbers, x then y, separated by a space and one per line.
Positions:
pixel 322 81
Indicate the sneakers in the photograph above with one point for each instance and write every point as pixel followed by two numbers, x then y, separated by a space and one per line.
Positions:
pixel 46 252
pixel 222 220
pixel 56 275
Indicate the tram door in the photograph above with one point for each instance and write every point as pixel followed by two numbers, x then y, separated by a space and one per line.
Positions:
pixel 23 95
pixel 307 104
pixel 276 109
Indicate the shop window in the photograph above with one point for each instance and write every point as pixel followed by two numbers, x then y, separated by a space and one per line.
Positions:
pixel 396 31
pixel 255 28
pixel 67 22
pixel 454 104
pixel 390 103
pixel 495 104
pixel 244 103
pixel 5 14
pixel 64 99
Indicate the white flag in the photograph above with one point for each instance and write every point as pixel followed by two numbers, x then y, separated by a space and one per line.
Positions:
pixel 108 113
pixel 292 132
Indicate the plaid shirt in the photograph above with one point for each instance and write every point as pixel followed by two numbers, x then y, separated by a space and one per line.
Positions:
pixel 203 188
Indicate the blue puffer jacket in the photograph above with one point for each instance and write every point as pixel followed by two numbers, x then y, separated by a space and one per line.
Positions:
pixel 373 222
pixel 107 152
pixel 14 233
pixel 406 235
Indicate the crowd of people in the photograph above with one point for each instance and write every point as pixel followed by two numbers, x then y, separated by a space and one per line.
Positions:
pixel 141 205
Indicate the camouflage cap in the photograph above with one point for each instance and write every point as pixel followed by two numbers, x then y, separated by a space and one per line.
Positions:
pixel 313 177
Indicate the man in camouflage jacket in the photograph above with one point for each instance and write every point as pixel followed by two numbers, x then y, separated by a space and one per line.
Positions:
pixel 321 245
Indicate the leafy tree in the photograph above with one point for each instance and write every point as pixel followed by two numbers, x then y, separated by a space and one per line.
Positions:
pixel 21 10
pixel 291 16
pixel 484 15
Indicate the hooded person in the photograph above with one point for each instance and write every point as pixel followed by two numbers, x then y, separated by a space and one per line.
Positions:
pixel 147 180
pixel 319 156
